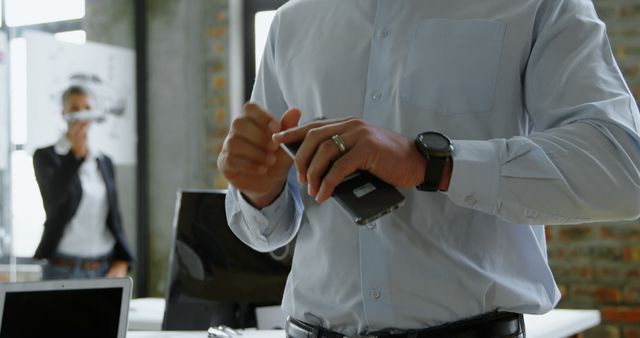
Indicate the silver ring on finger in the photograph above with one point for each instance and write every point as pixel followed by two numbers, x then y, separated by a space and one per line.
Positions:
pixel 340 144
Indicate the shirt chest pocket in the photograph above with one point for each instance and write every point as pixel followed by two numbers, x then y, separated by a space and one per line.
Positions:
pixel 452 66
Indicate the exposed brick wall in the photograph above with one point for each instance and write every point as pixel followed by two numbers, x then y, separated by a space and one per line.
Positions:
pixel 623 24
pixel 217 86
pixel 598 266
pixel 188 108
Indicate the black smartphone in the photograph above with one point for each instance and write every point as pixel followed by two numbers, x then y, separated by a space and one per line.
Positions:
pixel 363 196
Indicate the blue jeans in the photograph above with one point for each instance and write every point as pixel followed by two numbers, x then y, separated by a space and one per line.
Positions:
pixel 52 271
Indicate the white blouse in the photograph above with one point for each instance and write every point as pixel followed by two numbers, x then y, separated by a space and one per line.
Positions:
pixel 86 235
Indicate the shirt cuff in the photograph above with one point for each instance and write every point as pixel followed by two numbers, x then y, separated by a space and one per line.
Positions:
pixel 476 174
pixel 262 216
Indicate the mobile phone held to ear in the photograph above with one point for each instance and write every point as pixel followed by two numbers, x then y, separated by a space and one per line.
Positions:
pixel 85 116
pixel 363 196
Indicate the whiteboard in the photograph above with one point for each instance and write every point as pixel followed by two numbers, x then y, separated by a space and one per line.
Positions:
pixel 107 72
pixel 4 102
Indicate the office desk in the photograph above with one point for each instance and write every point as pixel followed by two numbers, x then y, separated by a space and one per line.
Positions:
pixel 147 313
pixel 203 334
pixel 20 272
pixel 561 323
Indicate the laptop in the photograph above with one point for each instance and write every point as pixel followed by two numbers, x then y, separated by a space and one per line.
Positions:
pixel 96 308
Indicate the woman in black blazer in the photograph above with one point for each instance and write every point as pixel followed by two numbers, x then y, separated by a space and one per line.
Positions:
pixel 83 235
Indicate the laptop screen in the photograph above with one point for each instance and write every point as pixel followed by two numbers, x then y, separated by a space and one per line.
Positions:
pixel 62 313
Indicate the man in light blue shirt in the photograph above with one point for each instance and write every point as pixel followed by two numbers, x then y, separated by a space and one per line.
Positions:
pixel 544 130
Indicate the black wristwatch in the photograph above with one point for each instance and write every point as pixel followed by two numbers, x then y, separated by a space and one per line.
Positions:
pixel 437 149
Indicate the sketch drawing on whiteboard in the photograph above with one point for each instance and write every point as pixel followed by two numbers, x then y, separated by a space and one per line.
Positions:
pixel 106 73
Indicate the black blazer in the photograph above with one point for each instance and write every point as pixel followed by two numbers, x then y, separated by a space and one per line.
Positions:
pixel 59 183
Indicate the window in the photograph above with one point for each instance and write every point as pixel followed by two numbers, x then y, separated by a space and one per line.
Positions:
pixel 257 16
pixel 30 12
pixel 18 90
pixel 27 213
pixel 262 24
pixel 5 236
pixel 26 204
pixel 18 82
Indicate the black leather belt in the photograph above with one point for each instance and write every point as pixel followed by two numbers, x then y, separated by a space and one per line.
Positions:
pixel 492 325
pixel 85 264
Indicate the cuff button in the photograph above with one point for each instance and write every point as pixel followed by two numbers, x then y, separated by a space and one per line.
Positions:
pixel 470 199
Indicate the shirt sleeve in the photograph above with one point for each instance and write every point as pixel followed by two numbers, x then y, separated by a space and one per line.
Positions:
pixel 581 163
pixel 269 228
pixel 277 224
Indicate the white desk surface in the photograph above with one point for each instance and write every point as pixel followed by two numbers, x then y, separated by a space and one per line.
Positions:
pixel 203 334
pixel 147 313
pixel 560 323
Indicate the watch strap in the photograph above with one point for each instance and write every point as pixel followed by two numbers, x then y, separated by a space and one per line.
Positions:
pixel 433 175
pixel 436 160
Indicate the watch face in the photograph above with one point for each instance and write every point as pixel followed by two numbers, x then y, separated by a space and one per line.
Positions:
pixel 435 141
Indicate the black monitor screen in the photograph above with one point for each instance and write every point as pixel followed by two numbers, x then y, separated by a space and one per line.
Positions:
pixel 65 313
pixel 214 278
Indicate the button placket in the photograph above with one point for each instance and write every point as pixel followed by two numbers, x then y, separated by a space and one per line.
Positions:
pixel 373 261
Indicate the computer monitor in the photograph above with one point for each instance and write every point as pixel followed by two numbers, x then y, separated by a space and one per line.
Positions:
pixel 214 278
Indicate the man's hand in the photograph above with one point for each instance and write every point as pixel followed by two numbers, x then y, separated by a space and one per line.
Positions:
pixel 118 269
pixel 251 160
pixel 385 154
pixel 77 135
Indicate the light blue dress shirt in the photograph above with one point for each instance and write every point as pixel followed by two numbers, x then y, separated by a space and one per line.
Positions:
pixel 545 132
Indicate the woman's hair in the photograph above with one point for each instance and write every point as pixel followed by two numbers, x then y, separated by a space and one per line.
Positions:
pixel 73 90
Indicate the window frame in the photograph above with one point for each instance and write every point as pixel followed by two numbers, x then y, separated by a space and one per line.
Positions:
pixel 48 27
pixel 5 174
pixel 249 11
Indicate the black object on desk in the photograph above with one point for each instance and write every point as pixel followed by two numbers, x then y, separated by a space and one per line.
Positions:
pixel 214 278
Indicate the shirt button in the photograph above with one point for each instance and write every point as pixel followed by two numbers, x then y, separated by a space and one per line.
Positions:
pixel 383 33
pixel 374 293
pixel 471 200
pixel 371 225
pixel 376 96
